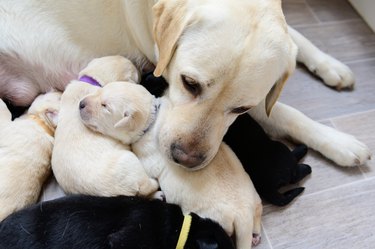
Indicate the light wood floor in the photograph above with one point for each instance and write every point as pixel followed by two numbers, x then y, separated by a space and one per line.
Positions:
pixel 337 209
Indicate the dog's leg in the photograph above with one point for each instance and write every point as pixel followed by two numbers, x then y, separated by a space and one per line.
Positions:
pixel 5 115
pixel 285 121
pixel 243 227
pixel 333 72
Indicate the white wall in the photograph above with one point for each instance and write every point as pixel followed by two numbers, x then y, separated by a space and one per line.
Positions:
pixel 366 8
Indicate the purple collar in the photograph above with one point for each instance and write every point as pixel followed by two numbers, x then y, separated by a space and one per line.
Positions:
pixel 90 80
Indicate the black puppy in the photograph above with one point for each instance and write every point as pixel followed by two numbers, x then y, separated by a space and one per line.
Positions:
pixel 270 164
pixel 86 222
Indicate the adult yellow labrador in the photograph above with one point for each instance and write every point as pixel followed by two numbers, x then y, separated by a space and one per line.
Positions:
pixel 220 57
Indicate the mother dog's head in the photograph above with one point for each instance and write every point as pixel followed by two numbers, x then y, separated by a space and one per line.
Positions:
pixel 221 58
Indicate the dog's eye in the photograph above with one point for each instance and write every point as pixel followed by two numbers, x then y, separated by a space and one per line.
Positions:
pixel 240 110
pixel 191 85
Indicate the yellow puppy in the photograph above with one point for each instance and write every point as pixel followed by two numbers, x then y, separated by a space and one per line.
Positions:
pixel 221 191
pixel 87 162
pixel 25 152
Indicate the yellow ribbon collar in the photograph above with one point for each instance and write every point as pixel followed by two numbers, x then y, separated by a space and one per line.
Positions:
pixel 184 233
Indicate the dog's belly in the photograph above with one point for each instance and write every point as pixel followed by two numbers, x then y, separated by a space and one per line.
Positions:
pixel 42 48
pixel 21 82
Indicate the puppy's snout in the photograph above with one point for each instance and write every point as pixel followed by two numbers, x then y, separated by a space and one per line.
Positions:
pixel 186 157
pixel 82 104
pixel 84 110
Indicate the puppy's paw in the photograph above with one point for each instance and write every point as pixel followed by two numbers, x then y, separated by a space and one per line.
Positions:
pixel 299 172
pixel 256 239
pixel 3 106
pixel 334 73
pixel 4 111
pixel 148 186
pixel 158 195
pixel 345 150
pixel 299 152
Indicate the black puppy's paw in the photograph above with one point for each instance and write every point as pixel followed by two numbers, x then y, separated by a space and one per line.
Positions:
pixel 283 199
pixel 300 172
pixel 299 152
pixel 291 194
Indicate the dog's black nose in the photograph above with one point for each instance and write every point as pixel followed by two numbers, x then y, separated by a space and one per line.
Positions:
pixel 82 104
pixel 187 158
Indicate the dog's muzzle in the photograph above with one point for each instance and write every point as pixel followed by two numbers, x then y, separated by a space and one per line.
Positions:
pixel 186 157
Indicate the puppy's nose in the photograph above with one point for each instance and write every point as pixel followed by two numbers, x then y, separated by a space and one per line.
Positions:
pixel 185 157
pixel 82 104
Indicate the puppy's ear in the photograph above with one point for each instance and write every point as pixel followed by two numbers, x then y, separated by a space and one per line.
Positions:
pixel 127 121
pixel 52 116
pixel 170 20
pixel 275 92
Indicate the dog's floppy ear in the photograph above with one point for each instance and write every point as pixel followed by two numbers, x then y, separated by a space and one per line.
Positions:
pixel 170 20
pixel 275 92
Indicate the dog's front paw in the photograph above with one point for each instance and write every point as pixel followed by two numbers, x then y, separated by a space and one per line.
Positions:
pixel 256 239
pixel 334 73
pixel 345 150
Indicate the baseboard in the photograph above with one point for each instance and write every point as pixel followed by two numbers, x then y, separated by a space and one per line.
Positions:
pixel 366 8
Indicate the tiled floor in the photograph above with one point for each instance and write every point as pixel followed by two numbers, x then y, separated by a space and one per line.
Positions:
pixel 335 211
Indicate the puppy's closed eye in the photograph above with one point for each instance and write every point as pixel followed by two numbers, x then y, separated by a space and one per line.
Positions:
pixel 106 107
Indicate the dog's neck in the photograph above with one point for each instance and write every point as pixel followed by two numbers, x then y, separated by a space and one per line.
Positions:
pixel 43 123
